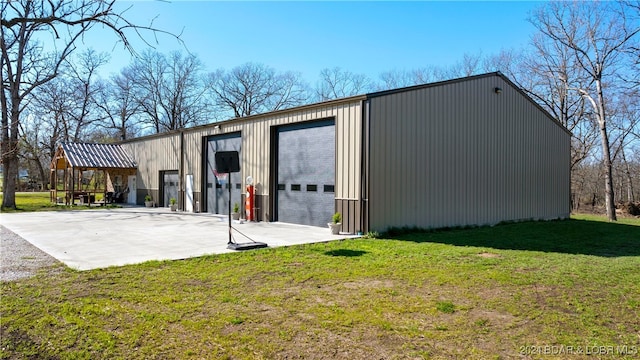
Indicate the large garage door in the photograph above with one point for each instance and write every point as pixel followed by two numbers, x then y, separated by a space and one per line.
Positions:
pixel 218 191
pixel 306 173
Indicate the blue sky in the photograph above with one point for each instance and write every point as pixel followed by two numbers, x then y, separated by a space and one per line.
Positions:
pixel 362 36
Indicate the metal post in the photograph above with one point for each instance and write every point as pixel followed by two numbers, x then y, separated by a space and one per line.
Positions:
pixel 229 184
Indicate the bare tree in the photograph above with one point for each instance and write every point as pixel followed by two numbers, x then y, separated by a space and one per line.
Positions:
pixel 551 71
pixel 506 61
pixel 586 188
pixel 117 102
pixel 84 88
pixel 626 122
pixel 395 79
pixel 632 17
pixel 291 90
pixel 470 64
pixel 32 150
pixel 253 88
pixel 63 109
pixel 44 124
pixel 169 90
pixel 337 83
pixel 27 65
pixel 596 38
pixel 628 177
pixel 50 104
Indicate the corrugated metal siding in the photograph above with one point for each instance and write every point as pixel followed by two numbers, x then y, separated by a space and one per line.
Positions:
pixel 152 156
pixel 162 152
pixel 352 213
pixel 256 145
pixel 459 154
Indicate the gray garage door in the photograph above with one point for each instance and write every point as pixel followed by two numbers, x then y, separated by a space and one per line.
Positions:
pixel 306 173
pixel 217 192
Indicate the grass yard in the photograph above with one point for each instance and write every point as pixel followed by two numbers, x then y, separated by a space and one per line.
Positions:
pixel 40 201
pixel 560 289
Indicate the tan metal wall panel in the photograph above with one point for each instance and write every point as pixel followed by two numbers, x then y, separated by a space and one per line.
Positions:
pixel 154 155
pixel 348 154
pixel 162 152
pixel 351 215
pixel 460 154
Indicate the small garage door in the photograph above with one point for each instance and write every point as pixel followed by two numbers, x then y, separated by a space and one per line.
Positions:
pixel 306 173
pixel 218 191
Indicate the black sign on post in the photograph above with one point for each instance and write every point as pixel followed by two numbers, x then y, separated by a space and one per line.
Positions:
pixel 228 162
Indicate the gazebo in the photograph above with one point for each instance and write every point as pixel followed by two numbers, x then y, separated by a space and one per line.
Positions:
pixel 108 167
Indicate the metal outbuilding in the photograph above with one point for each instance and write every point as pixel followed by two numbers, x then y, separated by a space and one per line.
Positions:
pixel 469 151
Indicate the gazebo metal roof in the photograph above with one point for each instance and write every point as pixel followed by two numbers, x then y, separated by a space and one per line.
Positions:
pixel 96 156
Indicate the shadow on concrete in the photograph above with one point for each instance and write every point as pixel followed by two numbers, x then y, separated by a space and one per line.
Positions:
pixel 560 236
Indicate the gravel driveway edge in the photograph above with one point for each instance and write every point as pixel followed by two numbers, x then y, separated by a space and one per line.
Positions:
pixel 19 259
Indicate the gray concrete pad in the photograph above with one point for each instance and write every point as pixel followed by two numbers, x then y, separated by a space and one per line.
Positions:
pixel 90 239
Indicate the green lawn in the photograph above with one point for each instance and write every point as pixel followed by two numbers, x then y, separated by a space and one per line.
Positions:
pixel 40 201
pixel 570 289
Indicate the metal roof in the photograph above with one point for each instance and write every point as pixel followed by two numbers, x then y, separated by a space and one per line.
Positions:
pixel 97 156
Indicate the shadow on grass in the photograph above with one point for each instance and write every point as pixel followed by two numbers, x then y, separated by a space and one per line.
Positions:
pixel 560 236
pixel 345 253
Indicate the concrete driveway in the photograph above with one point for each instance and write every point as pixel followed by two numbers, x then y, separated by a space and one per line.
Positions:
pixel 90 239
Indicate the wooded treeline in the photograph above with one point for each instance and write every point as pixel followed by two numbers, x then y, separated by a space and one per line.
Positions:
pixel 582 65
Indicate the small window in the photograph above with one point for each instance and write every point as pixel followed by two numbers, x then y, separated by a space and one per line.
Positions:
pixel 282 187
pixel 312 188
pixel 295 187
pixel 329 188
pixel 227 186
pixel 238 186
pixel 209 185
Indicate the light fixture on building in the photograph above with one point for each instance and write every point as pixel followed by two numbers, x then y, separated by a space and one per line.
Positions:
pixel 217 127
pixel 497 90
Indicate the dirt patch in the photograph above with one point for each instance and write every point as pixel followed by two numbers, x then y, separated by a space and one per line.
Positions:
pixel 348 344
pixel 369 284
pixel 486 317
pixel 489 255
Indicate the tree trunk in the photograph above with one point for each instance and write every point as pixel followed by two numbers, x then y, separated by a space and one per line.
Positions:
pixel 10 162
pixel 627 171
pixel 609 201
pixel 7 152
pixel 43 175
pixel 10 148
